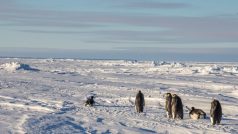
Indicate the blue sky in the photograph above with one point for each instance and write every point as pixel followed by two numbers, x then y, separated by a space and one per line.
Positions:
pixel 119 25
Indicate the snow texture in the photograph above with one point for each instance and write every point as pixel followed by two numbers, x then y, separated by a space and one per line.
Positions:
pixel 44 96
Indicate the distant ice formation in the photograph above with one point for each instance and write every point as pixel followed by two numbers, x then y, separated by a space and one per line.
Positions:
pixel 13 66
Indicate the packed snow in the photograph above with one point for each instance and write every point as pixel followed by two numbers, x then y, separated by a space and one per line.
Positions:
pixel 48 95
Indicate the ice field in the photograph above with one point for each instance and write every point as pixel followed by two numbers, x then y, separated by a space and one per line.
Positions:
pixel 47 95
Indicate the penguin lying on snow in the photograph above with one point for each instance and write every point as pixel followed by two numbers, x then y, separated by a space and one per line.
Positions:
pixel 196 113
pixel 90 101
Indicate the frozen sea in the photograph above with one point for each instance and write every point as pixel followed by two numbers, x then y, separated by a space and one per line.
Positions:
pixel 43 96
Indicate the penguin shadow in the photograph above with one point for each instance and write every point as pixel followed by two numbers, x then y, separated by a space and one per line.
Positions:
pixel 224 121
pixel 152 110
pixel 228 121
pixel 147 131
pixel 113 106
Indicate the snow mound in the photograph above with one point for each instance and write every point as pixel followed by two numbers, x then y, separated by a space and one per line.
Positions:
pixel 211 70
pixel 215 69
pixel 233 70
pixel 168 64
pixel 13 66
pixel 161 63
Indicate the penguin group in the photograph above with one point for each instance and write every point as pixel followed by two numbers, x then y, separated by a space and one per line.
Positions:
pixel 174 107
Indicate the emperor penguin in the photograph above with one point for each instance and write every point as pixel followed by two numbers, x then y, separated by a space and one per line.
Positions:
pixel 177 107
pixel 90 101
pixel 168 106
pixel 196 113
pixel 215 112
pixel 139 102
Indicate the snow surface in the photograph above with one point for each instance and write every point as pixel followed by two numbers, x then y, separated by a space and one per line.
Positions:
pixel 48 95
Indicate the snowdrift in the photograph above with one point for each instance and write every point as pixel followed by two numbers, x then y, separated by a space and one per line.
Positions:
pixel 14 66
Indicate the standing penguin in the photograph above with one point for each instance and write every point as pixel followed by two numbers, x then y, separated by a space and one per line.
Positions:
pixel 139 102
pixel 168 107
pixel 177 107
pixel 215 112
